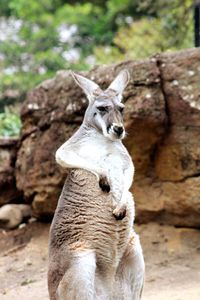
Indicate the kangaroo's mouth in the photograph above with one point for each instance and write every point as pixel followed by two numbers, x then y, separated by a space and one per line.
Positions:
pixel 116 132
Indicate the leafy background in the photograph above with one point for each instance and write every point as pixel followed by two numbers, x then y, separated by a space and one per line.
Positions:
pixel 38 38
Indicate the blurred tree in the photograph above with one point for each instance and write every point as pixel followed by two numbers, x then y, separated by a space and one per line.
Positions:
pixel 4 8
pixel 158 23
pixel 176 20
pixel 37 38
pixel 49 35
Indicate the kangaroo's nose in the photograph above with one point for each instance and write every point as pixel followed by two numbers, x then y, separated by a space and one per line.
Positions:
pixel 118 130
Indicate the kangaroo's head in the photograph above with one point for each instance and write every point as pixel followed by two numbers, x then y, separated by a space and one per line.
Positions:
pixel 105 110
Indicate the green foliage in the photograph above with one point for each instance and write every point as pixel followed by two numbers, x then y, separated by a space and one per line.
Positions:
pixel 175 18
pixel 108 55
pixel 158 27
pixel 4 8
pixel 10 124
pixel 110 31
pixel 38 50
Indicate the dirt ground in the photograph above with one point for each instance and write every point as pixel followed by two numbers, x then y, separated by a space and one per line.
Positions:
pixel 172 257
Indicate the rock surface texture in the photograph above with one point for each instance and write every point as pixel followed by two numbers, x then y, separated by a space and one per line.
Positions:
pixel 8 190
pixel 162 119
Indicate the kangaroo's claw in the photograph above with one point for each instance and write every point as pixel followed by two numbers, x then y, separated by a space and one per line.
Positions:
pixel 119 212
pixel 104 184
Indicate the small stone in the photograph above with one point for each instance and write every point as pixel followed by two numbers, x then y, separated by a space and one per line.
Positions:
pixel 186 97
pixel 27 281
pixel 28 262
pixel 148 96
pixel 33 106
pixel 32 220
pixel 19 270
pixel 22 225
pixel 193 104
pixel 175 82
pixel 191 73
pixel 11 215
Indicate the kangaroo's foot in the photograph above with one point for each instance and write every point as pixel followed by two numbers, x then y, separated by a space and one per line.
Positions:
pixel 104 184
pixel 119 212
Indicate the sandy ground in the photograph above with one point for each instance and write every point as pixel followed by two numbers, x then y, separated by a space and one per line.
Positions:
pixel 172 258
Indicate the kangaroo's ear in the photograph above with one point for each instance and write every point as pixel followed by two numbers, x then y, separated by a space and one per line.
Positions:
pixel 89 87
pixel 120 82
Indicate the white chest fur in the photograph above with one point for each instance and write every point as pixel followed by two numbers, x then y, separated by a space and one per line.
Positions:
pixel 103 157
pixel 109 156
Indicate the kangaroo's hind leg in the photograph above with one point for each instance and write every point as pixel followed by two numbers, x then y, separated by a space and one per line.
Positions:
pixel 78 280
pixel 130 273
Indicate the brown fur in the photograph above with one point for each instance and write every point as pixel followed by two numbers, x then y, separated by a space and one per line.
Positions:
pixel 84 221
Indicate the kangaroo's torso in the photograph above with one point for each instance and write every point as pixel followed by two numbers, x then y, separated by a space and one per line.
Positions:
pixel 83 218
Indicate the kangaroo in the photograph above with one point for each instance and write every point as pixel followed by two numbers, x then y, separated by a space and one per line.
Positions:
pixel 92 254
pixel 97 145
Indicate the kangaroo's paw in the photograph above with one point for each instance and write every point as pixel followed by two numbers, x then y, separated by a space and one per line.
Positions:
pixel 119 212
pixel 104 184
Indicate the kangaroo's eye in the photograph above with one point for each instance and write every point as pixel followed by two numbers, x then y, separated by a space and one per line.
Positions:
pixel 102 108
pixel 121 109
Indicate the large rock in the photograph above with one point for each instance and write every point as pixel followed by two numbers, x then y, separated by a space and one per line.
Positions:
pixel 8 190
pixel 162 119
pixel 177 159
pixel 179 155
